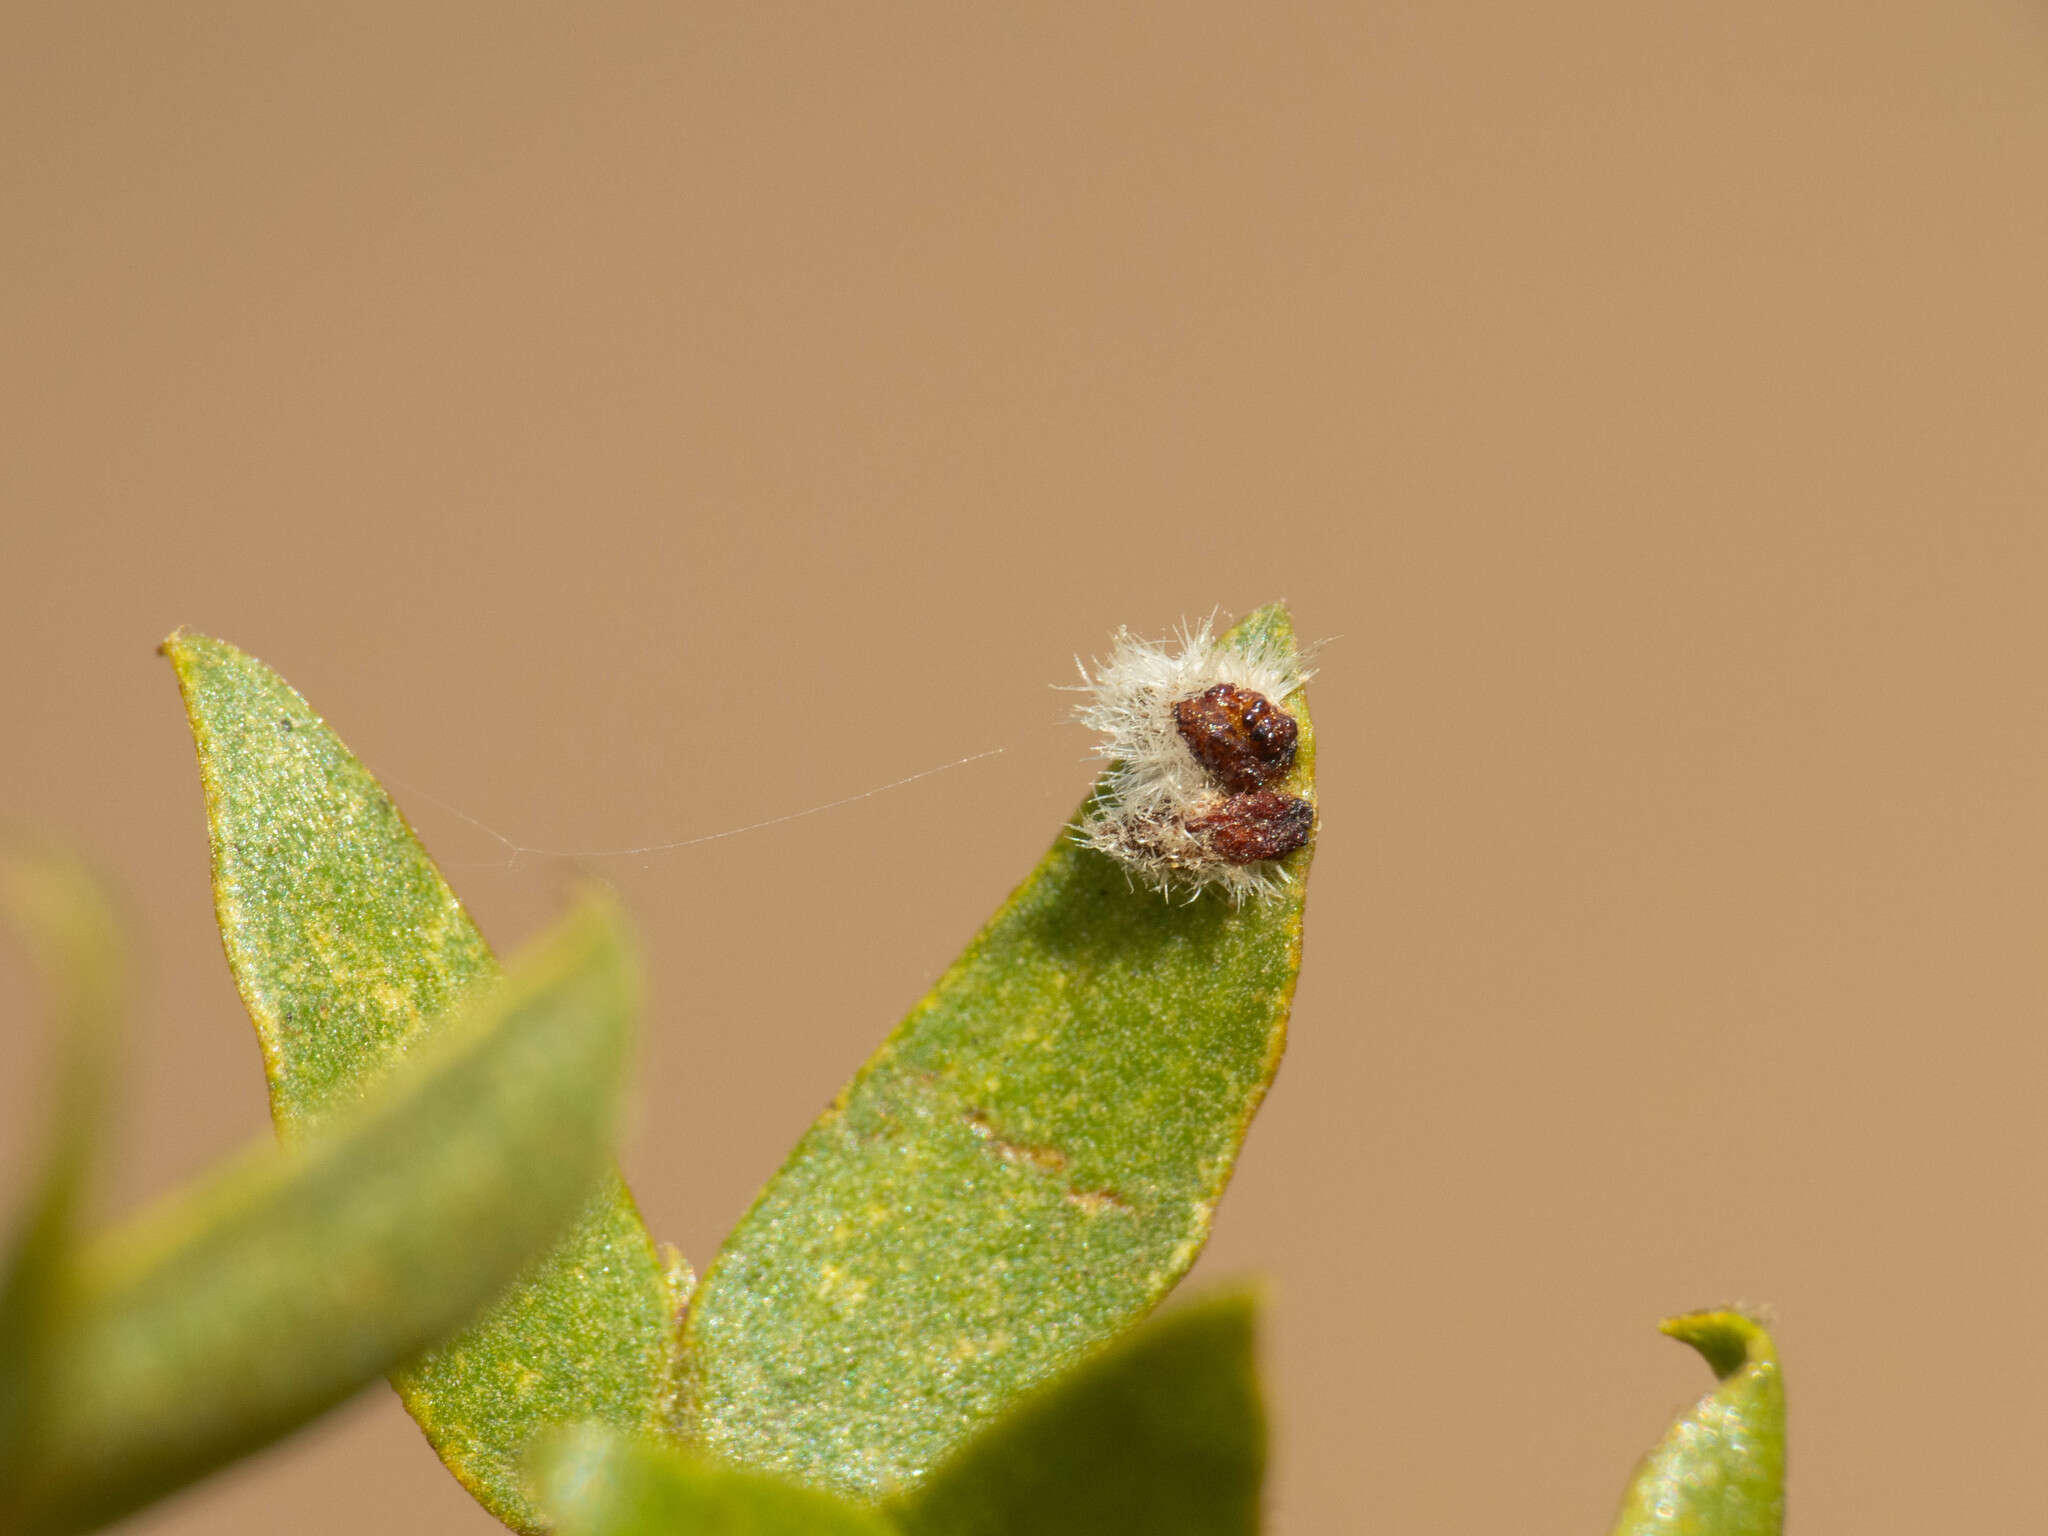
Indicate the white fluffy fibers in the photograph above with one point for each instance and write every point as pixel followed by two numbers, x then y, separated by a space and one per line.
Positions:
pixel 1150 814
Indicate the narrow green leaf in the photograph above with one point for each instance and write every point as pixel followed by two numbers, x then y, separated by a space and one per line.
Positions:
pixel 1160 1434
pixel 347 945
pixel 1022 1170
pixel 69 925
pixel 597 1482
pixel 239 1309
pixel 1720 1469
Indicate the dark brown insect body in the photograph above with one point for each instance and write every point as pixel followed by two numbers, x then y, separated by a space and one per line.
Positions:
pixel 1263 824
pixel 1242 738
pixel 1197 795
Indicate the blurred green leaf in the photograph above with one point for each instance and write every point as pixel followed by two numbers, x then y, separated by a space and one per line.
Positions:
pixel 597 1482
pixel 63 914
pixel 347 946
pixel 237 1310
pixel 1720 1469
pixel 1160 1434
pixel 1022 1170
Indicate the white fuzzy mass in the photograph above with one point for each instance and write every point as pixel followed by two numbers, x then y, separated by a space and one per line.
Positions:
pixel 1155 789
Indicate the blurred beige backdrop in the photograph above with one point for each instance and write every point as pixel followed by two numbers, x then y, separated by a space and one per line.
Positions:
pixel 1647 402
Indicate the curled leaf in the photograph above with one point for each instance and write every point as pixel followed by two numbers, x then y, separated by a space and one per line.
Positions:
pixel 348 946
pixel 1026 1166
pixel 1720 1469
pixel 236 1311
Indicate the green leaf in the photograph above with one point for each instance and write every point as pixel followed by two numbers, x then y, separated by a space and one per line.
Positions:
pixel 236 1311
pixel 1160 1434
pixel 69 925
pixel 1720 1469
pixel 1021 1171
pixel 347 945
pixel 596 1482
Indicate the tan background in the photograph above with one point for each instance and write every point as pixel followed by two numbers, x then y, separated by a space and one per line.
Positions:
pixel 1647 401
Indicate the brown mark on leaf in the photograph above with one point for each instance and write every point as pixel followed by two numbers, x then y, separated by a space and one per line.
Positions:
pixel 1242 738
pixel 1098 1202
pixel 1048 1160
pixel 1044 1159
pixel 1247 829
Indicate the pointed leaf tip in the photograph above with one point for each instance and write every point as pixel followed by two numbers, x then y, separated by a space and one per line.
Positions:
pixel 1720 1468
pixel 1021 1171
pixel 349 947
pixel 1727 1338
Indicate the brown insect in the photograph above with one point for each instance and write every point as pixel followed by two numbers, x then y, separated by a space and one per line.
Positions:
pixel 1242 738
pixel 1195 795
pixel 1261 824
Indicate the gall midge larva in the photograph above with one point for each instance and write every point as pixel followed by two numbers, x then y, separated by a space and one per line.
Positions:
pixel 1198 739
